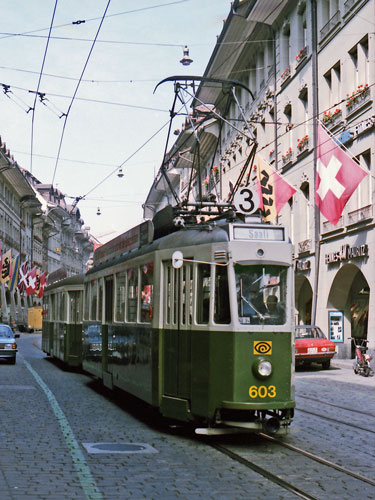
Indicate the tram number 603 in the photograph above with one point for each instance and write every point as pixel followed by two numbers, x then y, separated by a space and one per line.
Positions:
pixel 262 391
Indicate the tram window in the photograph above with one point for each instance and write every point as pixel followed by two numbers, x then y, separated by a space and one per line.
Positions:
pixel 100 300
pixel 261 294
pixel 175 295
pixel 203 293
pixel 221 308
pixel 132 295
pixel 186 295
pixel 75 312
pixel 147 292
pixel 109 299
pixel 171 293
pixel 87 301
pixel 62 307
pixel 94 297
pixel 120 296
pixel 53 309
pixel 46 309
pixel 169 288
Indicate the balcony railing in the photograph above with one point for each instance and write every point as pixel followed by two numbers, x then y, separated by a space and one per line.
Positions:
pixel 360 214
pixel 332 23
pixel 328 226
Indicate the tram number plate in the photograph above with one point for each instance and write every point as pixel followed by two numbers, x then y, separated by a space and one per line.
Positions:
pixel 312 350
pixel 262 391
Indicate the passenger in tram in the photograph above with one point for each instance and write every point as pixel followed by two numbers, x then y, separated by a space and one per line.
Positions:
pixel 275 311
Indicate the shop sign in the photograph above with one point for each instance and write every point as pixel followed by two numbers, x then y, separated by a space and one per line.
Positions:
pixel 303 265
pixel 347 252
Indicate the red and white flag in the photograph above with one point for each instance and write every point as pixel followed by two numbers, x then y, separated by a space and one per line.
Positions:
pixel 273 190
pixel 22 280
pixel 42 284
pixel 337 177
pixel 31 282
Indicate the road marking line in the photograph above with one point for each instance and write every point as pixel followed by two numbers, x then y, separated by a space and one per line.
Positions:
pixel 92 492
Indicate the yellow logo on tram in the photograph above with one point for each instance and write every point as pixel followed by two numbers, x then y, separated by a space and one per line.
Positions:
pixel 262 347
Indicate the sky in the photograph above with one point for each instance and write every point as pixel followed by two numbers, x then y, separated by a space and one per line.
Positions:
pixel 98 110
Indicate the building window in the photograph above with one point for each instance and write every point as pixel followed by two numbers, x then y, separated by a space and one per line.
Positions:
pixel 333 85
pixel 304 212
pixel 285 52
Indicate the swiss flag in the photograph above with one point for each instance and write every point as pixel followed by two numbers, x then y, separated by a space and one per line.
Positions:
pixel 273 190
pixel 31 282
pixel 337 177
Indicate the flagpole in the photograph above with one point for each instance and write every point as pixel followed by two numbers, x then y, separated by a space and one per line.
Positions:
pixel 315 103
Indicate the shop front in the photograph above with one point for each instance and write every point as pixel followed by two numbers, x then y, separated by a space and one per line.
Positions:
pixel 344 280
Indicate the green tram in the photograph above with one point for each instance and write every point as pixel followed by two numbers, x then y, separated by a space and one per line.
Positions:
pixel 62 320
pixel 197 322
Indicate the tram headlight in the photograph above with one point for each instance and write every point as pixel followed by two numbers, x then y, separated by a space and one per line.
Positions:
pixel 262 368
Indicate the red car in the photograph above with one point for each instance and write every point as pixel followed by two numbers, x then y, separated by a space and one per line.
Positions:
pixel 312 345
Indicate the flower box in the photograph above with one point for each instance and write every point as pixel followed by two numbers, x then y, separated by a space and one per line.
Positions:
pixel 302 144
pixel 285 75
pixel 330 117
pixel 287 157
pixel 301 56
pixel 357 97
pixel 215 171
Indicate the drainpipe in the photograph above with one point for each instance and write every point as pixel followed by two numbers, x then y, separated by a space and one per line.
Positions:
pixel 315 104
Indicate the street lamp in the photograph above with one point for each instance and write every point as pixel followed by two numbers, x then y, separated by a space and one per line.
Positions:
pixel 186 61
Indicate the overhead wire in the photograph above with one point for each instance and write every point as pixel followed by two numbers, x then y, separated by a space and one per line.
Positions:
pixel 38 86
pixel 96 18
pixel 76 89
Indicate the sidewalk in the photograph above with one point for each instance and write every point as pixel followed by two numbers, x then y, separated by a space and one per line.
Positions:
pixel 342 363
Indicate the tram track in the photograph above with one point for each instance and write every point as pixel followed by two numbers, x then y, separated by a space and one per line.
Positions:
pixel 265 473
pixel 353 410
pixel 249 459
pixel 318 459
pixel 331 419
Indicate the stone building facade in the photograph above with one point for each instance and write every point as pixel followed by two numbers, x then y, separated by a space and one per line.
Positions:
pixel 37 224
pixel 304 61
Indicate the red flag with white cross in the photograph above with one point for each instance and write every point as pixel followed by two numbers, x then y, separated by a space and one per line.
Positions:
pixel 31 281
pixel 337 177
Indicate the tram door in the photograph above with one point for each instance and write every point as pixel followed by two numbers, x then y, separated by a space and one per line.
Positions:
pixel 177 332
pixel 75 319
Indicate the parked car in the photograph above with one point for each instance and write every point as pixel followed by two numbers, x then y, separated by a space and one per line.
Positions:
pixel 8 346
pixel 312 345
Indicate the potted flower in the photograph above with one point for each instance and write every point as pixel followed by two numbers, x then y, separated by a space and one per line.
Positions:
pixel 330 116
pixel 302 143
pixel 285 74
pixel 301 55
pixel 215 171
pixel 287 156
pixel 361 92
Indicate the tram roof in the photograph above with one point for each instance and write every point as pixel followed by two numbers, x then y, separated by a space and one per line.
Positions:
pixel 77 279
pixel 198 235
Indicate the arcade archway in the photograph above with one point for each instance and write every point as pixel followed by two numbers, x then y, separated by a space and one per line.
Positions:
pixel 303 300
pixel 350 293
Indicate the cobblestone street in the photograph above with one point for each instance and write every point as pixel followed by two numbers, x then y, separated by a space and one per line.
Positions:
pixel 52 421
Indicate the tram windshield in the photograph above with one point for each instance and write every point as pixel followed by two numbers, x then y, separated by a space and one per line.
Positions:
pixel 261 294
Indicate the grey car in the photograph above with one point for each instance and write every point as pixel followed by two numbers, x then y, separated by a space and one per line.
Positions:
pixel 8 346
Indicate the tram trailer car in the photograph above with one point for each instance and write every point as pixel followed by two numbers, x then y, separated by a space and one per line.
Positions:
pixel 62 320
pixel 204 334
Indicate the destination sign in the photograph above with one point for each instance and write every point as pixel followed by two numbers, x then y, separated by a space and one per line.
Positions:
pixel 258 233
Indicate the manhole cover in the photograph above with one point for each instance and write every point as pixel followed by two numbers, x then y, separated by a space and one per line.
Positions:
pixel 119 448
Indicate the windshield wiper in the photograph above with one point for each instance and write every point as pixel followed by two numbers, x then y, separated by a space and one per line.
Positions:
pixel 259 314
